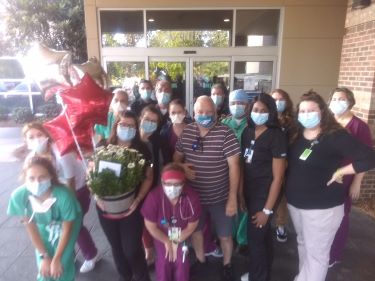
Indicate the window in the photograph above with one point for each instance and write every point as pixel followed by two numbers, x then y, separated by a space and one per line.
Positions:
pixel 122 29
pixel 207 28
pixel 257 28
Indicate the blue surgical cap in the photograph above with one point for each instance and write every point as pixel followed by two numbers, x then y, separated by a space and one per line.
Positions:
pixel 238 95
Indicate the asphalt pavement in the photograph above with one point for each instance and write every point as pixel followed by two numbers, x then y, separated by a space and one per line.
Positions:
pixel 17 260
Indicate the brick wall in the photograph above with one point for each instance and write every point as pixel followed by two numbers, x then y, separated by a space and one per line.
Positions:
pixel 357 72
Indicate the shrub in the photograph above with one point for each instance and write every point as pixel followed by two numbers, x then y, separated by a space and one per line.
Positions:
pixel 4 111
pixel 49 110
pixel 22 115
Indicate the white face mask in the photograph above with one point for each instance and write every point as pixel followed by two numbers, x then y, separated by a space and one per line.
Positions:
pixel 38 145
pixel 38 188
pixel 177 118
pixel 41 207
pixel 163 111
pixel 118 107
pixel 172 191
pixel 338 107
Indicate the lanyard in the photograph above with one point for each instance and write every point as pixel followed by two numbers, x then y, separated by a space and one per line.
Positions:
pixel 173 220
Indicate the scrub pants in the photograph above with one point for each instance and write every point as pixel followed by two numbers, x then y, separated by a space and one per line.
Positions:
pixel 170 271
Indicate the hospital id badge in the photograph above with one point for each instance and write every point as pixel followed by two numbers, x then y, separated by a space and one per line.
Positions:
pixel 305 154
pixel 248 155
pixel 174 233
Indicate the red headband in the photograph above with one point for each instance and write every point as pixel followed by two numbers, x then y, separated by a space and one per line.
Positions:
pixel 172 174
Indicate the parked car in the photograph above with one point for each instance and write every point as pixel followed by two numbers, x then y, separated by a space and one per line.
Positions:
pixel 11 73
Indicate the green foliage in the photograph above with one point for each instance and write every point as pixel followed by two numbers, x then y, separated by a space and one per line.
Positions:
pixel 4 111
pixel 49 110
pixel 57 24
pixel 105 182
pixel 22 115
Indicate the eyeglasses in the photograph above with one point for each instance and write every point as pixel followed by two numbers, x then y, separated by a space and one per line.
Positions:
pixel 197 144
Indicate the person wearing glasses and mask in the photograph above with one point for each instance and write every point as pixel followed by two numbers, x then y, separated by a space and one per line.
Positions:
pixel 210 152
pixel 149 123
pixel 171 213
pixel 145 91
pixel 263 163
pixel 163 92
pixel 124 231
pixel 314 183
pixel 119 104
pixel 341 101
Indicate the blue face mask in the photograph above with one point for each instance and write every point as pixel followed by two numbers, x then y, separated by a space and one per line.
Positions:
pixel 309 119
pixel 280 105
pixel 125 133
pixel 217 99
pixel 237 110
pixel 145 94
pixel 164 98
pixel 206 121
pixel 259 118
pixel 148 127
pixel 38 188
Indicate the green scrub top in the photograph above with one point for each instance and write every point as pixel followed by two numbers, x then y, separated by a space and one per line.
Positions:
pixel 49 224
pixel 237 128
pixel 105 131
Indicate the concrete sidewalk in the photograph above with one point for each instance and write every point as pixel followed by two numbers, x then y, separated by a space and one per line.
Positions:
pixel 17 262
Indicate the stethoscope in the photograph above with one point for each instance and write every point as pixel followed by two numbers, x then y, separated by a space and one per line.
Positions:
pixel 173 219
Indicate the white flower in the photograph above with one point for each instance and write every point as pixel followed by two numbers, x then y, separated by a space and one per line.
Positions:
pixel 131 165
pixel 141 162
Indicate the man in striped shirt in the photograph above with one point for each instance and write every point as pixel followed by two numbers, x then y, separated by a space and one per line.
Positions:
pixel 211 152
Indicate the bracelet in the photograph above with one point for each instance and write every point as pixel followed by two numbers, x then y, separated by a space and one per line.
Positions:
pixel 43 255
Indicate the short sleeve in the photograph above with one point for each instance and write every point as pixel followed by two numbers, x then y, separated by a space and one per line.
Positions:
pixel 150 206
pixel 364 134
pixel 231 145
pixel 100 130
pixel 278 144
pixel 68 164
pixel 68 204
pixel 348 147
pixel 17 202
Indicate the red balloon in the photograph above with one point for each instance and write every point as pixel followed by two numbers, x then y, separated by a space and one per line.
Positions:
pixel 87 102
pixel 62 135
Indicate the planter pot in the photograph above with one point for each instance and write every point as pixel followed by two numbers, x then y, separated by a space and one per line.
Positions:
pixel 118 204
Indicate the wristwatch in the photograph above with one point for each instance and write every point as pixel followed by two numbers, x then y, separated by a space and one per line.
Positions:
pixel 43 255
pixel 267 211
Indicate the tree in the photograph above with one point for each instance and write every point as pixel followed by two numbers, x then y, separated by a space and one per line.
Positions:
pixel 58 24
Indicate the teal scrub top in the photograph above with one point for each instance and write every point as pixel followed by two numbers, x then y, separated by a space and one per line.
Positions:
pixel 49 224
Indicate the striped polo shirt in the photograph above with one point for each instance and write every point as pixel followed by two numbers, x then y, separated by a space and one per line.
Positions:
pixel 209 156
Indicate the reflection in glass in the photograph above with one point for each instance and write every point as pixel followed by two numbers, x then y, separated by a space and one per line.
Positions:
pixel 257 27
pixel 254 77
pixel 126 75
pixel 122 29
pixel 207 73
pixel 175 72
pixel 189 28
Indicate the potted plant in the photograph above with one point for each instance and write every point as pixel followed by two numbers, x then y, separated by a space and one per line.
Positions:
pixel 117 173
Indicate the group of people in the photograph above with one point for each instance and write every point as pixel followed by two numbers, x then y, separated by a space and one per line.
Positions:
pixel 215 180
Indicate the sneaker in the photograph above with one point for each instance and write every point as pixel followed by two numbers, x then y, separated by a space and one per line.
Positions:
pixel 245 277
pixel 281 234
pixel 88 265
pixel 228 272
pixel 217 253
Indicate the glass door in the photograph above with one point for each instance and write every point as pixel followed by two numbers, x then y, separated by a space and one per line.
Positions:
pixel 176 71
pixel 206 72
